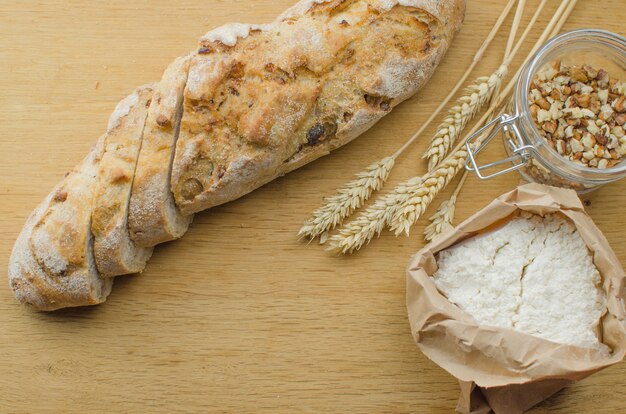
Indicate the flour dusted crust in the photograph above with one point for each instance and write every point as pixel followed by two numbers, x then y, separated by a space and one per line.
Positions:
pixel 153 216
pixel 253 102
pixel 52 265
pixel 116 254
pixel 262 101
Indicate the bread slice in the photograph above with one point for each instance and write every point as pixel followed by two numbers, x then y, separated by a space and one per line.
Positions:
pixel 261 101
pixel 52 265
pixel 153 215
pixel 115 252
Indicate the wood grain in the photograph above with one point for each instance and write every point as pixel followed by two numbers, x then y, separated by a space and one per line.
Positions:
pixel 239 316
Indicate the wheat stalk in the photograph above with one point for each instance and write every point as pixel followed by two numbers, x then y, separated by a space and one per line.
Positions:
pixel 414 196
pixel 348 198
pixel 442 219
pixel 476 97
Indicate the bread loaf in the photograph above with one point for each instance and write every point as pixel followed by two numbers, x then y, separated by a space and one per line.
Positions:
pixel 250 104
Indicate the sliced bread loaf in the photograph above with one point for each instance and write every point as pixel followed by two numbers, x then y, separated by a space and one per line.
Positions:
pixel 259 101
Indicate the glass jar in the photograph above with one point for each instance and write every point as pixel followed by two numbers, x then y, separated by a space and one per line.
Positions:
pixel 528 151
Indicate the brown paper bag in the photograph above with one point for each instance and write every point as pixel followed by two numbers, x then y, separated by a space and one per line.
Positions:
pixel 500 369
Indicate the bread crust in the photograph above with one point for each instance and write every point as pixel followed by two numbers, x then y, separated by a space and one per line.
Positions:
pixel 115 252
pixel 153 216
pixel 52 265
pixel 266 100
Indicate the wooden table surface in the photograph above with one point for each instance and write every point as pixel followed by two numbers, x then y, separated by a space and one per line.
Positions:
pixel 239 316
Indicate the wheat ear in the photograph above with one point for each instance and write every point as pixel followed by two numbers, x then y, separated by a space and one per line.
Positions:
pixel 422 194
pixel 349 198
pixel 372 221
pixel 476 97
pixel 442 219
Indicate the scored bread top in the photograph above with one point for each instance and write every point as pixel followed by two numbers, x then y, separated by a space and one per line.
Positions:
pixel 261 101
pixel 115 252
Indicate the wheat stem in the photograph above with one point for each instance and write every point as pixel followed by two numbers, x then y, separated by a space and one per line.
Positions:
pixel 519 12
pixel 526 32
pixel 459 186
pixel 559 25
pixel 348 198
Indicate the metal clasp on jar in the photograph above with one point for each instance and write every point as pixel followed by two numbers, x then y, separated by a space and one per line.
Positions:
pixel 520 151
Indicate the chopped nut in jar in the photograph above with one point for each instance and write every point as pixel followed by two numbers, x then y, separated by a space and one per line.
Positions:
pixel 580 111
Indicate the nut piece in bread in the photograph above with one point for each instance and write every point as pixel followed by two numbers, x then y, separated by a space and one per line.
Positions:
pixel 52 265
pixel 115 252
pixel 153 216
